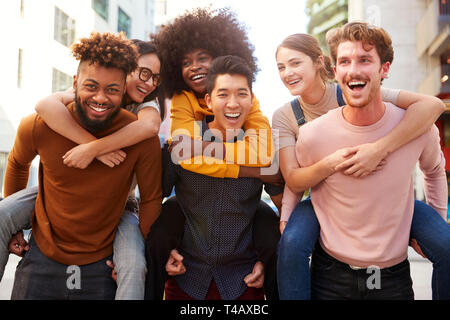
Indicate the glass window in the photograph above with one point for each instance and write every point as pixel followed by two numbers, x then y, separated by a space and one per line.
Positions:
pixel 444 7
pixel 22 7
pixel 60 81
pixel 445 66
pixel 161 7
pixel 19 69
pixel 64 28
pixel 124 23
pixel 101 7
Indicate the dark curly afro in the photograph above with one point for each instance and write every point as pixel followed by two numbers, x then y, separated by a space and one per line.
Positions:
pixel 107 50
pixel 217 31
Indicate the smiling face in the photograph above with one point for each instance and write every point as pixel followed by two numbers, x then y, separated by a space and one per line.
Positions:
pixel 297 71
pixel 99 92
pixel 194 67
pixel 230 101
pixel 359 73
pixel 137 89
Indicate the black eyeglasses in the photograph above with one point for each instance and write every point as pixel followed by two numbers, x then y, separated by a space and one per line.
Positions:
pixel 146 74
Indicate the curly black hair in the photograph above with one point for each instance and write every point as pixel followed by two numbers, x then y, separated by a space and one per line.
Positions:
pixel 107 50
pixel 218 31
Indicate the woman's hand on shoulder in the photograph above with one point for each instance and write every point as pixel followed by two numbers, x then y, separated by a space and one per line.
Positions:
pixel 366 159
pixel 82 155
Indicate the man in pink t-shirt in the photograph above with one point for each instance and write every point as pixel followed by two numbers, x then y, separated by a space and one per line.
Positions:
pixel 365 223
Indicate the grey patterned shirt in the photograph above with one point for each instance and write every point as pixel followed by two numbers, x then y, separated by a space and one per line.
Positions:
pixel 217 242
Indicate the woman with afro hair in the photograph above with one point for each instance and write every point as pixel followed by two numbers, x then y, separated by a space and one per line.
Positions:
pixel 188 46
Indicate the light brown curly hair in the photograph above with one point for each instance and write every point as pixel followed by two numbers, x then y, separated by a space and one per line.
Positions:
pixel 368 34
pixel 107 50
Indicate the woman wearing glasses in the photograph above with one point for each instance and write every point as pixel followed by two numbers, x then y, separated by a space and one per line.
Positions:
pixel 141 99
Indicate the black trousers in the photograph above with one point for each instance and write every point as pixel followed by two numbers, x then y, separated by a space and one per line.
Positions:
pixel 167 233
pixel 41 278
pixel 332 279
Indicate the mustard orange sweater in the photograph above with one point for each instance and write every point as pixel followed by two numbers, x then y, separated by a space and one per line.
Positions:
pixel 254 151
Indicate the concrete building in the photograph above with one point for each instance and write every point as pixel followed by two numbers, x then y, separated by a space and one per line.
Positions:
pixel 420 32
pixel 36 34
pixel 399 19
pixel 325 15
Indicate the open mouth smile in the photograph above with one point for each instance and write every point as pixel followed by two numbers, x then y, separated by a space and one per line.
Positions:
pixel 356 85
pixel 98 108
pixel 141 90
pixel 293 82
pixel 232 116
pixel 199 76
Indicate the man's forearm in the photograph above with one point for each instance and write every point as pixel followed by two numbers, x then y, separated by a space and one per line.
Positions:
pixel 304 178
pixel 148 213
pixel 209 149
pixel 16 177
pixel 21 156
pixel 249 172
pixel 436 191
pixel 419 117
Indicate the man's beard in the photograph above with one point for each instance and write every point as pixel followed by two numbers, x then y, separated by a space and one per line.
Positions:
pixel 90 125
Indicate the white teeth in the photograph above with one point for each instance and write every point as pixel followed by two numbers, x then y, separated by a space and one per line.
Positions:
pixel 356 83
pixel 293 82
pixel 141 90
pixel 97 108
pixel 198 76
pixel 232 115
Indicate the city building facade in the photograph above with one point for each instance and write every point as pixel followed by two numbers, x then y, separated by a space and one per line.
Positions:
pixel 420 31
pixel 325 15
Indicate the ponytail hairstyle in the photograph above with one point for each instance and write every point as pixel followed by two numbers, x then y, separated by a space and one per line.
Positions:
pixel 309 46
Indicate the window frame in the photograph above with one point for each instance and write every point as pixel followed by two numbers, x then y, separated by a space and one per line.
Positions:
pixel 122 13
pixel 64 28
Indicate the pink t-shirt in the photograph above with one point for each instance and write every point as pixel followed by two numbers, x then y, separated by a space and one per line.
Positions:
pixel 366 221
pixel 285 123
